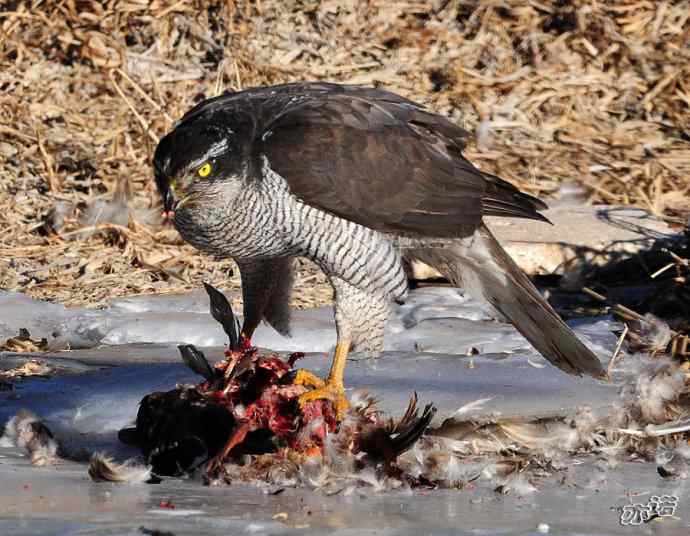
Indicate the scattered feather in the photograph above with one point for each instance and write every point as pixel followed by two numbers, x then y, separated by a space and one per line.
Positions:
pixel 104 469
pixel 516 484
pixel 472 406
pixel 655 334
pixel 26 431
pixel 651 389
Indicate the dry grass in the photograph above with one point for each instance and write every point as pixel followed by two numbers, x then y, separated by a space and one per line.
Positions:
pixel 596 92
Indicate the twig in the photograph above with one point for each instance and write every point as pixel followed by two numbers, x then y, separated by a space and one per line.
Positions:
pixel 48 162
pixel 657 431
pixel 14 132
pixel 659 87
pixel 157 268
pixel 238 78
pixel 143 93
pixel 157 90
pixel 141 120
pixel 677 258
pixel 98 227
pixel 340 69
pixel 219 77
pixel 622 310
pixel 616 351
pixel 662 270
pixel 170 9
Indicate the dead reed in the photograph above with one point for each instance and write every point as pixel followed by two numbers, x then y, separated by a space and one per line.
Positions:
pixel 595 92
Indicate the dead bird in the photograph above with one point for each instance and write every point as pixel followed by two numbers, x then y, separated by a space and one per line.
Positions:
pixel 179 430
pixel 247 405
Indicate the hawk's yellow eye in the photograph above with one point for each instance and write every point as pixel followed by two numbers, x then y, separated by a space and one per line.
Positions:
pixel 205 170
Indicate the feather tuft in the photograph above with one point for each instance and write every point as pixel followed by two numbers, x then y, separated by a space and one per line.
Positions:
pixel 104 469
pixel 516 484
pixel 651 390
pixel 26 431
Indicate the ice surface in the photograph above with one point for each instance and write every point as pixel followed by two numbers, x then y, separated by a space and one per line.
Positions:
pixel 96 391
pixel 61 501
pixel 427 346
pixel 105 400
pixel 60 326
pixel 86 410
pixel 440 302
pixel 40 318
pixel 191 302
pixel 434 319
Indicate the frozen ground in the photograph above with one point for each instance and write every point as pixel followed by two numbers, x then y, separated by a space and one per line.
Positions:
pixel 95 391
pixel 63 501
pixel 434 319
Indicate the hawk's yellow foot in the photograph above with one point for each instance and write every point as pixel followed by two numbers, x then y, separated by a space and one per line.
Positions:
pixel 304 377
pixel 335 392
pixel 332 389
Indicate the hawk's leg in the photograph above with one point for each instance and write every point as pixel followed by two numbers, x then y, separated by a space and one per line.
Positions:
pixel 360 318
pixel 266 287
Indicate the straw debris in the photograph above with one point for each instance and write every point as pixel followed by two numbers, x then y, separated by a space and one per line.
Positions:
pixel 595 93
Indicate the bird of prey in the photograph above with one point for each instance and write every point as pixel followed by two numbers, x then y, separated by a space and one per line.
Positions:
pixel 353 178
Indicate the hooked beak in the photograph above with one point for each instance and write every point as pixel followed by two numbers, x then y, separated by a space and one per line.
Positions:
pixel 169 201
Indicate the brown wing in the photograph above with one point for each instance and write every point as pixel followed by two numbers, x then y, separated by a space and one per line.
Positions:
pixel 382 161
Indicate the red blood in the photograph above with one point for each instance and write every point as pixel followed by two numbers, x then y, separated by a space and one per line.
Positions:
pixel 269 401
pixel 166 504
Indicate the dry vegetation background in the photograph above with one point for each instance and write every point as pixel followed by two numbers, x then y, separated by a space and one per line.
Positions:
pixel 595 92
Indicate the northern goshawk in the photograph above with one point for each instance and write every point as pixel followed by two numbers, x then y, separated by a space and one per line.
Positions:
pixel 353 178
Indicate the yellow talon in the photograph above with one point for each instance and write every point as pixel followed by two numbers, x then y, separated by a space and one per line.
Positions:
pixel 330 391
pixel 304 377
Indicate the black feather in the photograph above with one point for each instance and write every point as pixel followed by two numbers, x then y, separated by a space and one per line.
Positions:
pixel 196 361
pixel 413 430
pixel 222 312
pixel 386 443
pixel 363 154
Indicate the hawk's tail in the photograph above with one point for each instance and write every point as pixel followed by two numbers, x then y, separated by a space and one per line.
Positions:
pixel 487 272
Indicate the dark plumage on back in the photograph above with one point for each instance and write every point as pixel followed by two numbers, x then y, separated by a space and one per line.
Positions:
pixel 390 164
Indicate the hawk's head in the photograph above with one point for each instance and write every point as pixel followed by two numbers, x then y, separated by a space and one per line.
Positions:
pixel 199 166
pixel 202 169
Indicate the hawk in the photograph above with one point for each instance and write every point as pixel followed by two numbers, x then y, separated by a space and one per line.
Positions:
pixel 353 178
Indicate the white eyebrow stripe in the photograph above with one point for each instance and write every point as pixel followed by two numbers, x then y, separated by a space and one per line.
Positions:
pixel 214 150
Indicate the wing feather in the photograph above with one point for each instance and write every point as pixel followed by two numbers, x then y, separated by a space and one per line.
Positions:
pixel 372 157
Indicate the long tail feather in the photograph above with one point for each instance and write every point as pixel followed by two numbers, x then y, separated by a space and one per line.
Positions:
pixel 488 273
